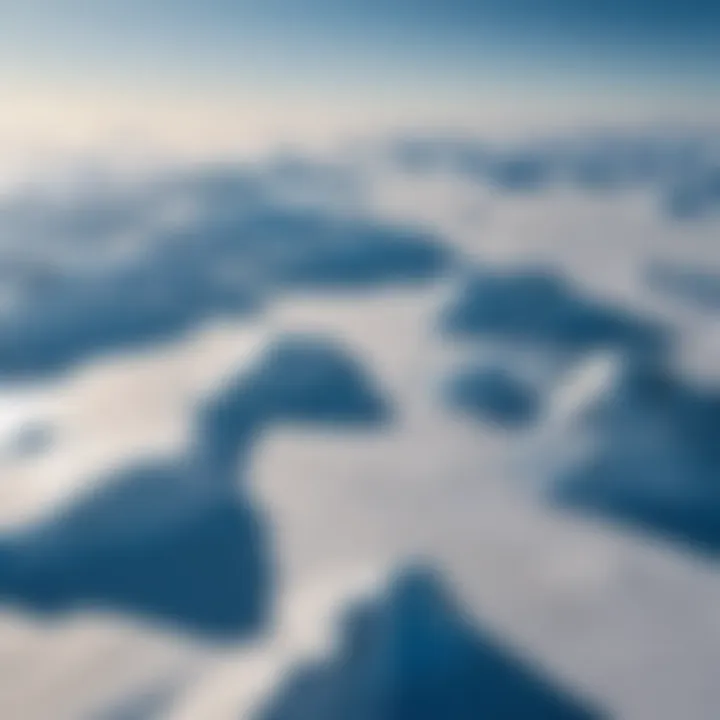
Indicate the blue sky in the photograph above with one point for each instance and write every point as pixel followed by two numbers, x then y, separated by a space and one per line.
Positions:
pixel 377 59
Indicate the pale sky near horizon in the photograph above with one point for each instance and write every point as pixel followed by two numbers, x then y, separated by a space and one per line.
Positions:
pixel 215 74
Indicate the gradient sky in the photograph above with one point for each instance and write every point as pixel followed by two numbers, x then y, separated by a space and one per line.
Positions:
pixel 208 64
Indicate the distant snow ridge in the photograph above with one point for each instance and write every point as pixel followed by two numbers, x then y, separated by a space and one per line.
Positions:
pixel 532 306
pixel 412 655
pixel 100 271
pixel 682 170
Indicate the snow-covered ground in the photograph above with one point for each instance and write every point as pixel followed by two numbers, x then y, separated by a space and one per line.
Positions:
pixel 624 614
